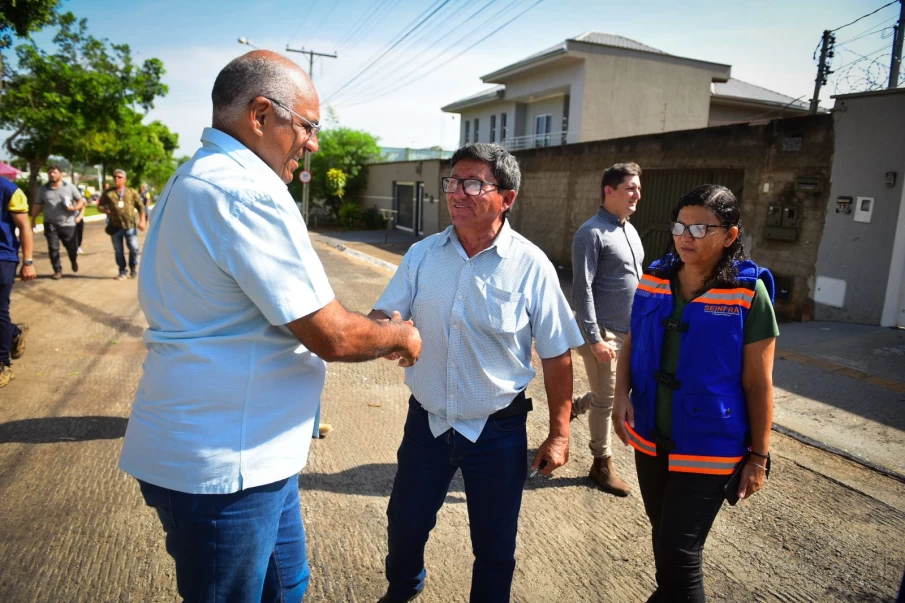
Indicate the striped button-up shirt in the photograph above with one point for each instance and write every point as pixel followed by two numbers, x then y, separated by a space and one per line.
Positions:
pixel 477 317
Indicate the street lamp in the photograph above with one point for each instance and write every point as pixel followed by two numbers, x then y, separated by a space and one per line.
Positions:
pixel 244 40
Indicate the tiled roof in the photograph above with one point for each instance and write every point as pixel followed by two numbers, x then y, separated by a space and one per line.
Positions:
pixel 743 90
pixel 608 39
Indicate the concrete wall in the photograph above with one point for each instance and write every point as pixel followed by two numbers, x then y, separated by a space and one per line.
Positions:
pixel 870 141
pixel 381 176
pixel 561 188
pixel 723 113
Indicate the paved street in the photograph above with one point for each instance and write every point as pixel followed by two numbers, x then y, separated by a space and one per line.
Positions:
pixel 74 529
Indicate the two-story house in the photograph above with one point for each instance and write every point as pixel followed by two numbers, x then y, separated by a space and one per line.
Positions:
pixel 599 86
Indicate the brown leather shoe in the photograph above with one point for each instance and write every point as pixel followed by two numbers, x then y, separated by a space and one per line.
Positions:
pixel 603 473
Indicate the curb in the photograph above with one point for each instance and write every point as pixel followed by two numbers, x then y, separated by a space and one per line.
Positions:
pixel 341 246
pixel 787 355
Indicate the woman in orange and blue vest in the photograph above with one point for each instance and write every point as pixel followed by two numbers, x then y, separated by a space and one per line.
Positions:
pixel 696 398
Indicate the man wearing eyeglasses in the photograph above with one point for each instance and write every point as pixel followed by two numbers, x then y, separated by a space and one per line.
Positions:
pixel 480 293
pixel 125 212
pixel 241 318
pixel 607 258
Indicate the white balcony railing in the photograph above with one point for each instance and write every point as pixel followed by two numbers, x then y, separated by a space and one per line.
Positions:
pixel 533 141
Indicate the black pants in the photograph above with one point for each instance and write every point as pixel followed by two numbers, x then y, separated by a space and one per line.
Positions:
pixel 681 508
pixel 60 234
pixel 79 232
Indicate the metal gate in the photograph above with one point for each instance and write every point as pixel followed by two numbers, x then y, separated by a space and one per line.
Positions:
pixel 661 190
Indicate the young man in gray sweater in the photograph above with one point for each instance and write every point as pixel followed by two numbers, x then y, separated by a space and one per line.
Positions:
pixel 607 261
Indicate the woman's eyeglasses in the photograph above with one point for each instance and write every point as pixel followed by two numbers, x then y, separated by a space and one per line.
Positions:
pixel 698 231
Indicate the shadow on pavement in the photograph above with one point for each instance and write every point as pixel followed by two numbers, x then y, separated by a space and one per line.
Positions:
pixel 99 315
pixel 53 430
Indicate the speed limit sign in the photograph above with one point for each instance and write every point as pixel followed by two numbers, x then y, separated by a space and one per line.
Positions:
pixel 305 176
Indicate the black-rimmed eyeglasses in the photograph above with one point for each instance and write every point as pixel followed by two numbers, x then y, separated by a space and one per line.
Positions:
pixel 471 186
pixel 698 231
pixel 312 128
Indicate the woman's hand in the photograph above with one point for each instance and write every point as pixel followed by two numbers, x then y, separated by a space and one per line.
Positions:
pixel 623 413
pixel 752 479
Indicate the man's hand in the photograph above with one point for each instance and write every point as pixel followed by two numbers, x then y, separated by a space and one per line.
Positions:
pixel 142 224
pixel 623 413
pixel 28 273
pixel 603 352
pixel 554 450
pixel 412 352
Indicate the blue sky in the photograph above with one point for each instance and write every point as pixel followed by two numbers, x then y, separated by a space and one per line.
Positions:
pixel 769 43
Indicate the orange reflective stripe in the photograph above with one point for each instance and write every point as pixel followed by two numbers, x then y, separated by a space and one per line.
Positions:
pixel 654 279
pixel 639 443
pixel 649 289
pixel 712 465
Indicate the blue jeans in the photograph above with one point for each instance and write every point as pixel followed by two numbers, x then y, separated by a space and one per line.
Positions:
pixel 235 548
pixel 131 239
pixel 494 470
pixel 8 330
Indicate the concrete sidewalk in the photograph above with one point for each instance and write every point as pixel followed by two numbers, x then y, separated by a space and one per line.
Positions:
pixel 839 387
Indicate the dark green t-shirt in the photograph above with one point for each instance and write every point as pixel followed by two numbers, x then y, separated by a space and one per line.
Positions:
pixel 760 324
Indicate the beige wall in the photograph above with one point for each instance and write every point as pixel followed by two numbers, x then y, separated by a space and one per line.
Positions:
pixel 381 176
pixel 722 113
pixel 483 115
pixel 631 95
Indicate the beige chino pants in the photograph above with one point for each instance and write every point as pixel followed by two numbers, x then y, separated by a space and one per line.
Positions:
pixel 598 402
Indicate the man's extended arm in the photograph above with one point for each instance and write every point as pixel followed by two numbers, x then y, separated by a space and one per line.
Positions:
pixel 558 383
pixel 27 239
pixel 337 335
pixel 142 216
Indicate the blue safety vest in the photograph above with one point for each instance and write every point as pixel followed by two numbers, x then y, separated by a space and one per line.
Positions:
pixel 710 430
pixel 9 244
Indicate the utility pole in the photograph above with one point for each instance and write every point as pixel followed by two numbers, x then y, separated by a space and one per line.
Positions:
pixel 823 70
pixel 305 186
pixel 898 36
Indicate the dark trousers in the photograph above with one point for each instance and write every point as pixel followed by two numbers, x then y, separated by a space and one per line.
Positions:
pixel 8 331
pixel 79 232
pixel 494 470
pixel 60 234
pixel 121 239
pixel 681 508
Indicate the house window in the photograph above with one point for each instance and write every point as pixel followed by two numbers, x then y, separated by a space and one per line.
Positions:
pixel 504 134
pixel 467 132
pixel 493 128
pixel 477 123
pixel 542 130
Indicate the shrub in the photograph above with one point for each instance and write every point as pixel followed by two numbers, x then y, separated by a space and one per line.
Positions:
pixel 349 214
pixel 373 219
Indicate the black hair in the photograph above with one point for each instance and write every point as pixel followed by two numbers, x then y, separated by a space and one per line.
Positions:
pixel 722 202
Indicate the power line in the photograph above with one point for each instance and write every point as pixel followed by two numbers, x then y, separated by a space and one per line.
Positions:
pixel 369 25
pixel 460 53
pixel 327 16
pixel 375 61
pixel 867 15
pixel 878 27
pixel 365 18
pixel 413 69
pixel 302 22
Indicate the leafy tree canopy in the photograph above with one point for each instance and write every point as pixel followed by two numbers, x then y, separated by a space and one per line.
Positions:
pixel 82 91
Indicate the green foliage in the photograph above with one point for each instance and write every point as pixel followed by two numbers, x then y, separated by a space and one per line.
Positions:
pixel 373 219
pixel 344 149
pixel 73 100
pixel 349 214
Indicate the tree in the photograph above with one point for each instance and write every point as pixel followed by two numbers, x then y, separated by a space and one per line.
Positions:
pixel 87 87
pixel 344 149
pixel 22 18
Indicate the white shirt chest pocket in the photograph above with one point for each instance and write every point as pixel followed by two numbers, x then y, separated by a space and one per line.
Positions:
pixel 500 310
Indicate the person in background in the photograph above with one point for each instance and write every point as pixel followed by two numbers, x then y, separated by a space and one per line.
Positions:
pixel 13 215
pixel 145 195
pixel 694 384
pixel 61 203
pixel 607 258
pixel 126 213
